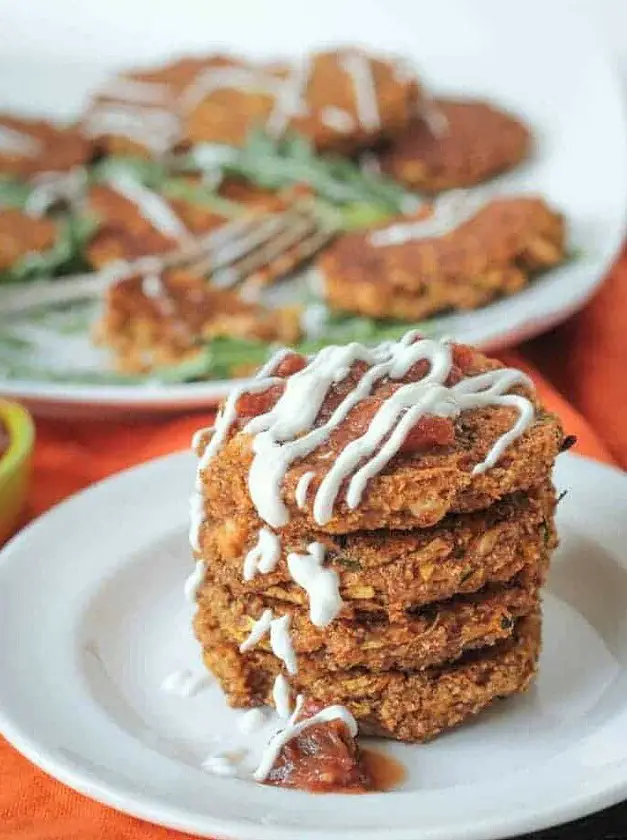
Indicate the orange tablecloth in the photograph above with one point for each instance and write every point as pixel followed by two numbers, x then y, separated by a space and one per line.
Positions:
pixel 581 372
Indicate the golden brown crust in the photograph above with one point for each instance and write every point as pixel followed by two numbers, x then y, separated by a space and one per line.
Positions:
pixel 227 115
pixel 125 234
pixel 60 148
pixel 412 491
pixel 384 573
pixel 477 141
pixel 145 330
pixel 21 235
pixel 407 706
pixel 493 254
pixel 430 636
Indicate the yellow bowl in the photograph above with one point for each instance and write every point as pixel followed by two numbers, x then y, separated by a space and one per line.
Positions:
pixel 14 465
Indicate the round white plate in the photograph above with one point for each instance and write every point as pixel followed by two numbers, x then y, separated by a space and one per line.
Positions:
pixel 92 619
pixel 554 75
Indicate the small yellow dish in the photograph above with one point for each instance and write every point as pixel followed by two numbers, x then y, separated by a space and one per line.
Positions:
pixel 15 465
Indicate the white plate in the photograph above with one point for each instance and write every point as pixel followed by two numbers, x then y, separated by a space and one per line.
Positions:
pixel 92 619
pixel 554 75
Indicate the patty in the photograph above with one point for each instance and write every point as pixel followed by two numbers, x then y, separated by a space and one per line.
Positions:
pixel 494 253
pixel 418 486
pixel 124 233
pixel 30 147
pixel 21 235
pixel 419 639
pixel 161 318
pixel 385 573
pixel 404 705
pixel 137 112
pixel 464 143
pixel 344 100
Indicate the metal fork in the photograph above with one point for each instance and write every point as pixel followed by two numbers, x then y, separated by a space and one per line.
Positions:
pixel 246 253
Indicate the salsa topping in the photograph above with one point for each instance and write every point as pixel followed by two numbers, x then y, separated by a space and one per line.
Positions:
pixel 324 758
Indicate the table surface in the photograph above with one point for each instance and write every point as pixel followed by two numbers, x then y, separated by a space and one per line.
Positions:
pixel 606 825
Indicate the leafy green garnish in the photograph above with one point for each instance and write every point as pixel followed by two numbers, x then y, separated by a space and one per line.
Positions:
pixel 217 359
pixel 65 257
pixel 11 342
pixel 340 328
pixel 224 357
pixel 151 173
pixel 274 164
pixel 200 195
pixel 14 193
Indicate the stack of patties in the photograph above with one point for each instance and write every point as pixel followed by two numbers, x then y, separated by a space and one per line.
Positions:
pixel 372 528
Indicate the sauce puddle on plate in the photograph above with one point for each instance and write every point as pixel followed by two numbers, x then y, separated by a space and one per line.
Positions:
pixel 385 771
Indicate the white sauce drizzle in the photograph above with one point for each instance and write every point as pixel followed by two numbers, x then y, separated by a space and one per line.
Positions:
pixel 226 417
pixel 264 555
pixel 13 142
pixel 314 320
pixel 151 205
pixel 300 494
pixel 198 438
pixel 359 68
pixel 184 683
pixel 135 90
pixel 279 438
pixel 450 211
pixel 154 128
pixel 251 721
pixel 282 697
pixel 281 643
pixel 243 79
pixel 321 584
pixel 213 155
pixel 434 117
pixel 294 729
pixel 50 187
pixel 337 119
pixel 196 518
pixel 257 631
pixel 290 101
pixel 152 285
pixel 195 581
pixel 286 434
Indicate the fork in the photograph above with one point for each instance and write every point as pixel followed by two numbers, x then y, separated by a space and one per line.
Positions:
pixel 244 254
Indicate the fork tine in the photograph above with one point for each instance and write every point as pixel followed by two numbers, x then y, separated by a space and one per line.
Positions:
pixel 234 250
pixel 285 263
pixel 231 231
pixel 298 228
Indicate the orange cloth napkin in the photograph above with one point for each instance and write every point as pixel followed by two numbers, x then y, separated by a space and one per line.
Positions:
pixel 580 373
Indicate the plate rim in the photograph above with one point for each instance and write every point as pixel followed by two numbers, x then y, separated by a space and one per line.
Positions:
pixel 85 781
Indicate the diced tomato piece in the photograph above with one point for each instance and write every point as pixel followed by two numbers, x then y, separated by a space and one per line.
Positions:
pixel 290 364
pixel 463 357
pixel 252 405
pixel 418 371
pixel 428 432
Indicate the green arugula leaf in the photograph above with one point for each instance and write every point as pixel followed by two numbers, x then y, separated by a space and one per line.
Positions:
pixel 14 193
pixel 65 257
pixel 275 164
pixel 200 195
pixel 150 173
